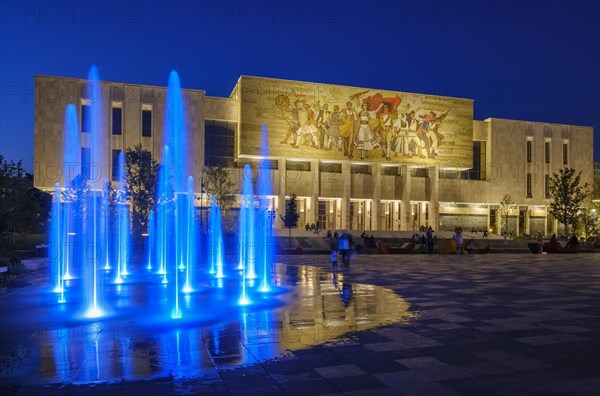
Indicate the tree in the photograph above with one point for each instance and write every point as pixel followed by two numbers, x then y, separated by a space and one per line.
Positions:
pixel 505 210
pixel 23 208
pixel 217 183
pixel 587 224
pixel 567 196
pixel 142 175
pixel 290 219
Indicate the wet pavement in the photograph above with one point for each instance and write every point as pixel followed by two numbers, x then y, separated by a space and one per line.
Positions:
pixel 437 325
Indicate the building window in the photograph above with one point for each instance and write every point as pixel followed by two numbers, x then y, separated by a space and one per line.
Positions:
pixel 389 170
pixel 565 153
pixel 146 122
pixel 330 167
pixel 263 164
pixel 86 166
pixel 303 166
pixel 547 186
pixel 86 118
pixel 529 195
pixel 115 164
pixel 360 169
pixel 219 142
pixel 547 152
pixel 117 120
pixel 418 172
pixel 529 143
pixel 477 171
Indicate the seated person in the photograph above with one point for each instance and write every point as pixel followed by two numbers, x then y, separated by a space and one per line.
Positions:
pixel 572 242
pixel 470 246
pixel 553 239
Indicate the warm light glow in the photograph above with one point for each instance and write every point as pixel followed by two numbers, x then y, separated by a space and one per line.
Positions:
pixel 93 312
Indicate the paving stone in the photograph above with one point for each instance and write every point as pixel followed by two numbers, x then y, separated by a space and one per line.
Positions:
pixel 492 325
pixel 341 371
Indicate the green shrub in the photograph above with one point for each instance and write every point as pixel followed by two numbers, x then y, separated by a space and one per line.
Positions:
pixel 16 267
pixel 6 279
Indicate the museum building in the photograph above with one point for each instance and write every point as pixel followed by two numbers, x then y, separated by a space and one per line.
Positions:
pixel 356 158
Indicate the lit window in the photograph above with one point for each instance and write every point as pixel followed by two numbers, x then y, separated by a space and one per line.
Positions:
pixel 117 120
pixel 86 118
pixel 146 121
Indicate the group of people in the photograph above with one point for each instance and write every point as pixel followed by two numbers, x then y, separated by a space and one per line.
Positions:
pixel 461 247
pixel 362 128
pixel 316 228
pixel 369 241
pixel 427 238
pixel 342 245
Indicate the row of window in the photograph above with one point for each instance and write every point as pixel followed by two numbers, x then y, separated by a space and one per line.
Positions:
pixel 565 152
pixel 116 120
pixel 546 186
pixel 357 169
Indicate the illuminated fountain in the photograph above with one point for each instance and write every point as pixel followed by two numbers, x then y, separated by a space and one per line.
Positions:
pixel 93 268
pixel 217 253
pixel 264 218
pixel 121 224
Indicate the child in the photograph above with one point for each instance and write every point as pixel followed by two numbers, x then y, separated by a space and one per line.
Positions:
pixel 333 247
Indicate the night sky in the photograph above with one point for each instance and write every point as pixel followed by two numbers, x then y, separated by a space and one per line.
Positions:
pixel 529 60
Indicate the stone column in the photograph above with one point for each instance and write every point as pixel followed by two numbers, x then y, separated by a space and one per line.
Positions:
pixel 314 192
pixel 434 198
pixel 405 217
pixel 395 213
pixel 376 175
pixel 346 189
pixel 489 210
pixel 527 221
pixel 281 193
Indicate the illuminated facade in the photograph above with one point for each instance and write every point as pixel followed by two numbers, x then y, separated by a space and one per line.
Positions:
pixel 356 158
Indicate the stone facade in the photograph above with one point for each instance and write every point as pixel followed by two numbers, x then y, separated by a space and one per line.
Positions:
pixel 345 194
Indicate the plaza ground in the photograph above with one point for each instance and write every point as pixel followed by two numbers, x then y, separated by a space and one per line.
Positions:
pixel 495 324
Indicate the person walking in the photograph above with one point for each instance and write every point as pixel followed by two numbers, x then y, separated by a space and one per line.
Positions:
pixel 345 248
pixel 429 239
pixel 459 241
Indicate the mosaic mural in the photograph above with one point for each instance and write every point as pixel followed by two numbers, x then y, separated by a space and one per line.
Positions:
pixel 332 122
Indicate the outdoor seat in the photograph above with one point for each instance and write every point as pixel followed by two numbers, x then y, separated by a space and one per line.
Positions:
pixel 556 247
pixel 386 248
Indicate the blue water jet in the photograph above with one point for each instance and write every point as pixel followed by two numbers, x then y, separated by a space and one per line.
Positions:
pixel 217 259
pixel 55 252
pixel 264 216
pixel 71 153
pixel 190 242
pixel 151 241
pixel 95 226
pixel 164 200
pixel 246 233
pixel 122 209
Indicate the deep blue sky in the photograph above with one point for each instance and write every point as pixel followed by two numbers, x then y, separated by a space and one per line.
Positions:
pixel 529 60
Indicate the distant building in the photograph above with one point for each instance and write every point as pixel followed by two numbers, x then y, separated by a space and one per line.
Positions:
pixel 356 158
